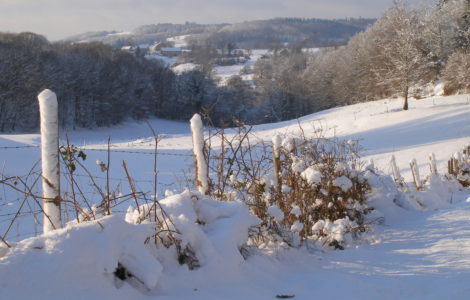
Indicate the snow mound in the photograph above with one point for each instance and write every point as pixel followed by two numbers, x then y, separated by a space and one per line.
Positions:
pixel 214 230
pixel 437 192
pixel 82 258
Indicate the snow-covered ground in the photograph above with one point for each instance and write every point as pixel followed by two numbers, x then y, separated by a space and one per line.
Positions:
pixel 222 73
pixel 416 255
pixel 225 72
pixel 183 68
pixel 179 41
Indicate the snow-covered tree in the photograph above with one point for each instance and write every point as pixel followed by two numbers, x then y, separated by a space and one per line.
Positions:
pixel 402 60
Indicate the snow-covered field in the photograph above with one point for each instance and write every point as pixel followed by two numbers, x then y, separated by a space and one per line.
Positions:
pixel 415 255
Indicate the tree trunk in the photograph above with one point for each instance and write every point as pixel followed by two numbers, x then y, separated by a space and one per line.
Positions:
pixel 405 105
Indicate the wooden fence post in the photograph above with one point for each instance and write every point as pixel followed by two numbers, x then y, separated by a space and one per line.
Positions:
pixel 432 163
pixel 415 171
pixel 48 108
pixel 395 171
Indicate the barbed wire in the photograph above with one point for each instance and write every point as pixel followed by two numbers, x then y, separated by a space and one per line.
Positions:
pixel 20 147
pixel 138 152
pixel 187 154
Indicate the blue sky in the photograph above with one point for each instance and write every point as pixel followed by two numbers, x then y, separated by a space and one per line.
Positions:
pixel 57 19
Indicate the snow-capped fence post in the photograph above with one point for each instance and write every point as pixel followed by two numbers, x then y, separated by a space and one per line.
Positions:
pixel 48 109
pixel 395 171
pixel 277 162
pixel 415 172
pixel 432 163
pixel 452 166
pixel 201 177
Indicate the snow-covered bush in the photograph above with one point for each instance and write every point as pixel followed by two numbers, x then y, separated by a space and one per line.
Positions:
pixel 323 192
pixel 318 189
pixel 459 166
pixel 318 181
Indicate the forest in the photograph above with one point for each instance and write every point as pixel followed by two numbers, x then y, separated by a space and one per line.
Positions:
pixel 406 52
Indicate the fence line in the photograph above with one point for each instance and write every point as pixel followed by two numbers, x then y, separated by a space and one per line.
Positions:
pixel 188 154
pixel 138 152
pixel 20 147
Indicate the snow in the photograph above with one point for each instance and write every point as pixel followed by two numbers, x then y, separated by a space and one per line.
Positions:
pixel 275 212
pixel 422 250
pixel 343 182
pixel 311 175
pixel 179 41
pixel 120 33
pixel 79 259
pixel 183 68
pixel 225 72
pixel 225 226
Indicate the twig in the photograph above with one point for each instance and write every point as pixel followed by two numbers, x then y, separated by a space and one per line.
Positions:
pixel 5 242
pixel 19 210
pixel 155 172
pixel 131 185
pixel 106 207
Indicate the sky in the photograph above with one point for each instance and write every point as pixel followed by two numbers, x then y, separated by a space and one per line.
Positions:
pixel 58 19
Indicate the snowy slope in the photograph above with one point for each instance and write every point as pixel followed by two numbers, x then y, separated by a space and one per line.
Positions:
pixel 420 255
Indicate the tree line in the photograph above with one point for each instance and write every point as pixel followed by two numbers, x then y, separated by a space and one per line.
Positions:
pixel 99 86
pixel 405 51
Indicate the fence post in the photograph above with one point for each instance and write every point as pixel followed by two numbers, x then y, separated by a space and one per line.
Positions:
pixel 415 171
pixel 395 171
pixel 432 163
pixel 202 181
pixel 48 109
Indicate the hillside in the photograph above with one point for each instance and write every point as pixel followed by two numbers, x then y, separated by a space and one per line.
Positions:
pixel 414 254
pixel 260 34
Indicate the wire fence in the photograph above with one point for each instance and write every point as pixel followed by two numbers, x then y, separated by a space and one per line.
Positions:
pixel 11 205
pixel 187 154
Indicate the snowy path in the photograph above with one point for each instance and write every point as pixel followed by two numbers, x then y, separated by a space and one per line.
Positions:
pixel 426 256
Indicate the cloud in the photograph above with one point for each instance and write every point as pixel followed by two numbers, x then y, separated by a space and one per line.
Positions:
pixel 60 18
